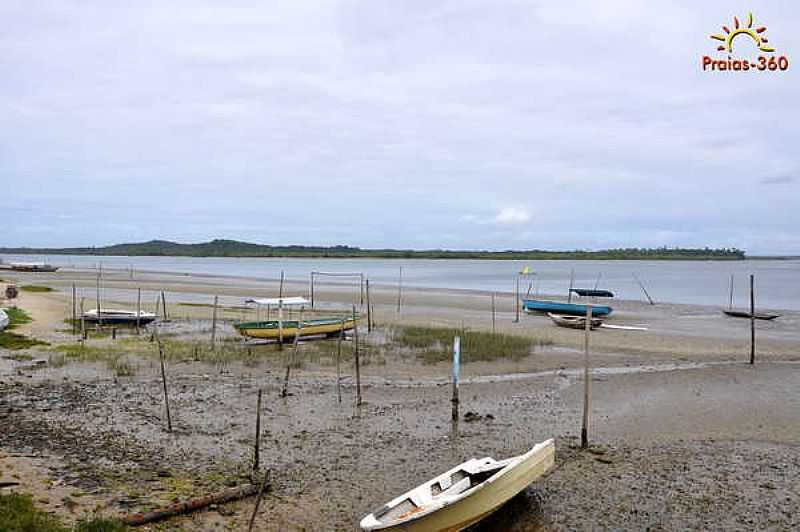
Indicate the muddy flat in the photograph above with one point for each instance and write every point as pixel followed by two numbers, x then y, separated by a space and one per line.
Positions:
pixel 684 433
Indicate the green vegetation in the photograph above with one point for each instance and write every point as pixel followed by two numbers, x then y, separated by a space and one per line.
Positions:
pixel 433 344
pixel 13 341
pixel 35 288
pixel 234 248
pixel 18 514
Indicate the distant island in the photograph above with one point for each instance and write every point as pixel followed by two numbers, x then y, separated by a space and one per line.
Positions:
pixel 233 248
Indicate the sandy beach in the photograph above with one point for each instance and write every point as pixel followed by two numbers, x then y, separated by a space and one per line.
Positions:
pixel 685 433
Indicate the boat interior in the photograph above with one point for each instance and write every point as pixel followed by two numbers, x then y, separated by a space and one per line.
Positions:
pixel 441 490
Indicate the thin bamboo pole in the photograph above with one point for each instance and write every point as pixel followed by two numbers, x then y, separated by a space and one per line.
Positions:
pixel 357 362
pixel 338 362
pixel 456 373
pixel 752 320
pixel 586 379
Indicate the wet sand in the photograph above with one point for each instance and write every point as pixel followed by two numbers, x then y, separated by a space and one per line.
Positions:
pixel 684 434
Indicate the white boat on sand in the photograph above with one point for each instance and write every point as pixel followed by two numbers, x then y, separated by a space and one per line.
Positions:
pixel 116 316
pixel 463 495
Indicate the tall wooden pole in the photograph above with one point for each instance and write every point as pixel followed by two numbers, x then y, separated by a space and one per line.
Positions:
pixel 138 309
pixel 258 435
pixel 164 304
pixel 338 362
pixel 164 381
pixel 292 356
pixel 730 297
pixel 83 322
pixel 358 363
pixel 361 285
pixel 456 373
pixel 312 289
pixel 74 311
pixel 752 320
pixel 214 321
pixel 280 287
pixel 280 324
pixel 493 314
pixel 586 379
pixel 399 289
pixel 369 311
pixel 516 298
pixel 99 273
pixel 571 283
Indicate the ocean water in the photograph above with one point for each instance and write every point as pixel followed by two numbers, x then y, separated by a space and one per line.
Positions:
pixel 694 282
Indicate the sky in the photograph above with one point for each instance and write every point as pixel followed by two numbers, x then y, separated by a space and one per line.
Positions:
pixel 415 124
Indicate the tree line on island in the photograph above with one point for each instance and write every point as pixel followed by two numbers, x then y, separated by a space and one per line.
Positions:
pixel 234 248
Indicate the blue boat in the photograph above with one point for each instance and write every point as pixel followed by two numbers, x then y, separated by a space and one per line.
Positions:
pixel 572 309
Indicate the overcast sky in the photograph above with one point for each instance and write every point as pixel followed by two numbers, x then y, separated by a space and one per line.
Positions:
pixel 423 124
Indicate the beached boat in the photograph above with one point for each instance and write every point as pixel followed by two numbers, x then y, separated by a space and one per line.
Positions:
pixel 3 319
pixel 571 309
pixel 592 292
pixel 270 330
pixel 118 317
pixel 464 495
pixel 746 314
pixel 574 322
pixel 32 267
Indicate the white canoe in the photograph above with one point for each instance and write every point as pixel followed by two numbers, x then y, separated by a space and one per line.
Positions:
pixel 3 319
pixel 116 316
pixel 464 495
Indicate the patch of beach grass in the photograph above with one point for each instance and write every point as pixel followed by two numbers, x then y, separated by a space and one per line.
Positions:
pixel 35 288
pixel 435 344
pixel 18 514
pixel 14 341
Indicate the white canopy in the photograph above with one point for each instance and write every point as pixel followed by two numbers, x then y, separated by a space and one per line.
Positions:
pixel 275 301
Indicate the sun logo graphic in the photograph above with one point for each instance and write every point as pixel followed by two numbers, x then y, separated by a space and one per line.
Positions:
pixel 749 32
pixel 743 30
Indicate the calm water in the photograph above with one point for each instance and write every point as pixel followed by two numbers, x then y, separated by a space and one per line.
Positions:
pixel 777 281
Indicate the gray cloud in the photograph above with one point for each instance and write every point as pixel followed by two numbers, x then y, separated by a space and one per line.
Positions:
pixel 386 124
pixel 778 180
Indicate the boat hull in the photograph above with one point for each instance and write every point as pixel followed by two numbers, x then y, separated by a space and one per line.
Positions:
pixel 118 317
pixel 570 309
pixel 746 314
pixel 269 330
pixel 574 322
pixel 483 501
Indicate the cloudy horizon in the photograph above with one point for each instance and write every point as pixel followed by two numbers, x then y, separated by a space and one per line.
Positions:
pixel 422 124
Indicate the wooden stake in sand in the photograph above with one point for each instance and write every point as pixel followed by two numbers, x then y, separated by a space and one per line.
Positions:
pixel 399 289
pixel 290 357
pixel 99 274
pixel 213 321
pixel 264 486
pixel 138 309
pixel 280 287
pixel 752 320
pixel 369 311
pixel 586 379
pixel 258 435
pixel 83 321
pixel 456 373
pixel 164 381
pixel 338 362
pixel 493 313
pixel 516 298
pixel 74 312
pixel 571 284
pixel 164 304
pixel 357 361
pixel 280 324
pixel 312 289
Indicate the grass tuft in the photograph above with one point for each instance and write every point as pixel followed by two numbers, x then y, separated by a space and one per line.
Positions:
pixel 35 288
pixel 435 344
pixel 18 514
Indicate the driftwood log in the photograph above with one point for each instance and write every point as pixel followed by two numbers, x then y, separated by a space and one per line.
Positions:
pixel 181 508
